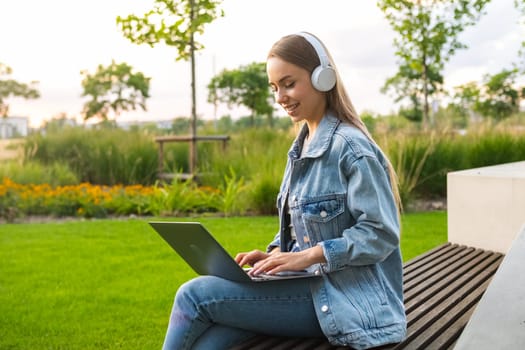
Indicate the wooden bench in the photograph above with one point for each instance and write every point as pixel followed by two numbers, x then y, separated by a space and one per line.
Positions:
pixel 161 140
pixel 441 289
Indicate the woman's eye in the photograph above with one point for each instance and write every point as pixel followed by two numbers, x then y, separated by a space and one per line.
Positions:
pixel 289 85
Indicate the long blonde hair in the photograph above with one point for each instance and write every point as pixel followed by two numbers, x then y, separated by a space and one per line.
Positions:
pixel 295 49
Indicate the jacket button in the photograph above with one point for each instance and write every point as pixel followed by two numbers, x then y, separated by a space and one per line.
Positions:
pixel 323 214
pixel 324 308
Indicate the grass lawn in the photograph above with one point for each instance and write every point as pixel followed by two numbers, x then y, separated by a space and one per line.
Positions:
pixel 109 284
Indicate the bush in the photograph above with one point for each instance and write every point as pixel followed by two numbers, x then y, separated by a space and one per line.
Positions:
pixel 423 159
pixel 98 156
pixel 32 172
pixel 263 195
pixel 408 154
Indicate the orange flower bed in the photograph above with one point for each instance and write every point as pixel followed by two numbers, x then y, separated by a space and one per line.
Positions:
pixel 84 200
pixel 87 200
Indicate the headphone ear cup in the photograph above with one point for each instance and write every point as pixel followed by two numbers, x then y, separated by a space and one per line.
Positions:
pixel 323 78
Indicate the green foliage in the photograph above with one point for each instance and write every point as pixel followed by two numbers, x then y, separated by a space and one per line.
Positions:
pixel 105 156
pixel 414 112
pixel 232 195
pixel 501 98
pixel 497 97
pixel 427 37
pixel 245 176
pixel 490 147
pixel 520 6
pixel 173 22
pixel 114 88
pixel 181 125
pixel 13 88
pixel 182 198
pixel 423 158
pixel 258 156
pixel 246 86
pixel 449 153
pixel 408 155
pixel 31 172
pixel 263 194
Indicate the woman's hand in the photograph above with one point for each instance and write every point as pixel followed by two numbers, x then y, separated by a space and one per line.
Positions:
pixel 278 262
pixel 250 258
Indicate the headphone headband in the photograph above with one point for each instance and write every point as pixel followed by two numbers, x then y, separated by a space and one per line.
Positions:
pixel 323 76
pixel 318 47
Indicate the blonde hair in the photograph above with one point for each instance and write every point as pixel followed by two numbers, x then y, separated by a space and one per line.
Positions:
pixel 295 49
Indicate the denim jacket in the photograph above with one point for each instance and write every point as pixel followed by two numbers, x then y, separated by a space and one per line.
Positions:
pixel 339 197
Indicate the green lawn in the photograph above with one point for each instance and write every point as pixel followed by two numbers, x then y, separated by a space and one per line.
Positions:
pixel 109 284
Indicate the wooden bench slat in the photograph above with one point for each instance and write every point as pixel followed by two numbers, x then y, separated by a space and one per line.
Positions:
pixel 432 319
pixel 421 275
pixel 434 270
pixel 448 337
pixel 446 278
pixel 419 260
pixel 438 321
pixel 438 276
pixel 462 287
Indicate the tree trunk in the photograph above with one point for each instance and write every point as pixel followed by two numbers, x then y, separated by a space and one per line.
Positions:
pixel 193 143
pixel 425 94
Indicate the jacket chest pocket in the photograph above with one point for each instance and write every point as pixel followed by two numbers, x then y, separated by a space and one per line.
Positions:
pixel 320 216
pixel 324 210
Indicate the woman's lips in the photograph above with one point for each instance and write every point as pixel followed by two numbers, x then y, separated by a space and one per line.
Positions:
pixel 290 108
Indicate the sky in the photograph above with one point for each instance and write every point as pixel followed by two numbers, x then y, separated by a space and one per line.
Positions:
pixel 52 41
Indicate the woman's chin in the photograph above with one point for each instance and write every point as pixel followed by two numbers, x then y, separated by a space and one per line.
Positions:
pixel 294 117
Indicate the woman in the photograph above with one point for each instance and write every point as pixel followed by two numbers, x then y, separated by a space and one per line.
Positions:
pixel 338 211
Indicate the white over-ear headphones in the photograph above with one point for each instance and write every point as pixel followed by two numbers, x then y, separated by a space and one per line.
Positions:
pixel 323 76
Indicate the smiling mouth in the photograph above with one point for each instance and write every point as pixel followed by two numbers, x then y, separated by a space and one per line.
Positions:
pixel 290 108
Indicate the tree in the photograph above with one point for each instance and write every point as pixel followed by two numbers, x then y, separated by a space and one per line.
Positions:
pixel 427 36
pixel 500 97
pixel 466 98
pixel 246 86
pixel 13 88
pixel 175 23
pixel 497 97
pixel 114 88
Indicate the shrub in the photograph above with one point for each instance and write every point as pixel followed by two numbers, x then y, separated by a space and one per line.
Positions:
pixel 98 156
pixel 232 197
pixel 408 155
pixel 263 194
pixel 32 172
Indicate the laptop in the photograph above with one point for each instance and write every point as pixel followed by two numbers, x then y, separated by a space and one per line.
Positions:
pixel 195 244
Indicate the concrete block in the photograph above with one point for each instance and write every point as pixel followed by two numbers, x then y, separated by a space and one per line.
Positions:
pixel 486 206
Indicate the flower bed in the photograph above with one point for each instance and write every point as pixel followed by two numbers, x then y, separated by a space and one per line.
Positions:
pixel 86 200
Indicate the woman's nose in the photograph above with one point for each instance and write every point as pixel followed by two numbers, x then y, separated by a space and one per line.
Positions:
pixel 280 96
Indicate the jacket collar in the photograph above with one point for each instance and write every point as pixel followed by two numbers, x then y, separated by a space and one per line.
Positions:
pixel 321 140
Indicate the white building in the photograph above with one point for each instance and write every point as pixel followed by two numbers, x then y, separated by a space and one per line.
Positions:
pixel 11 127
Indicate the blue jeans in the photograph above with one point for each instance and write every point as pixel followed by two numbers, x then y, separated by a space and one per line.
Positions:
pixel 214 313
